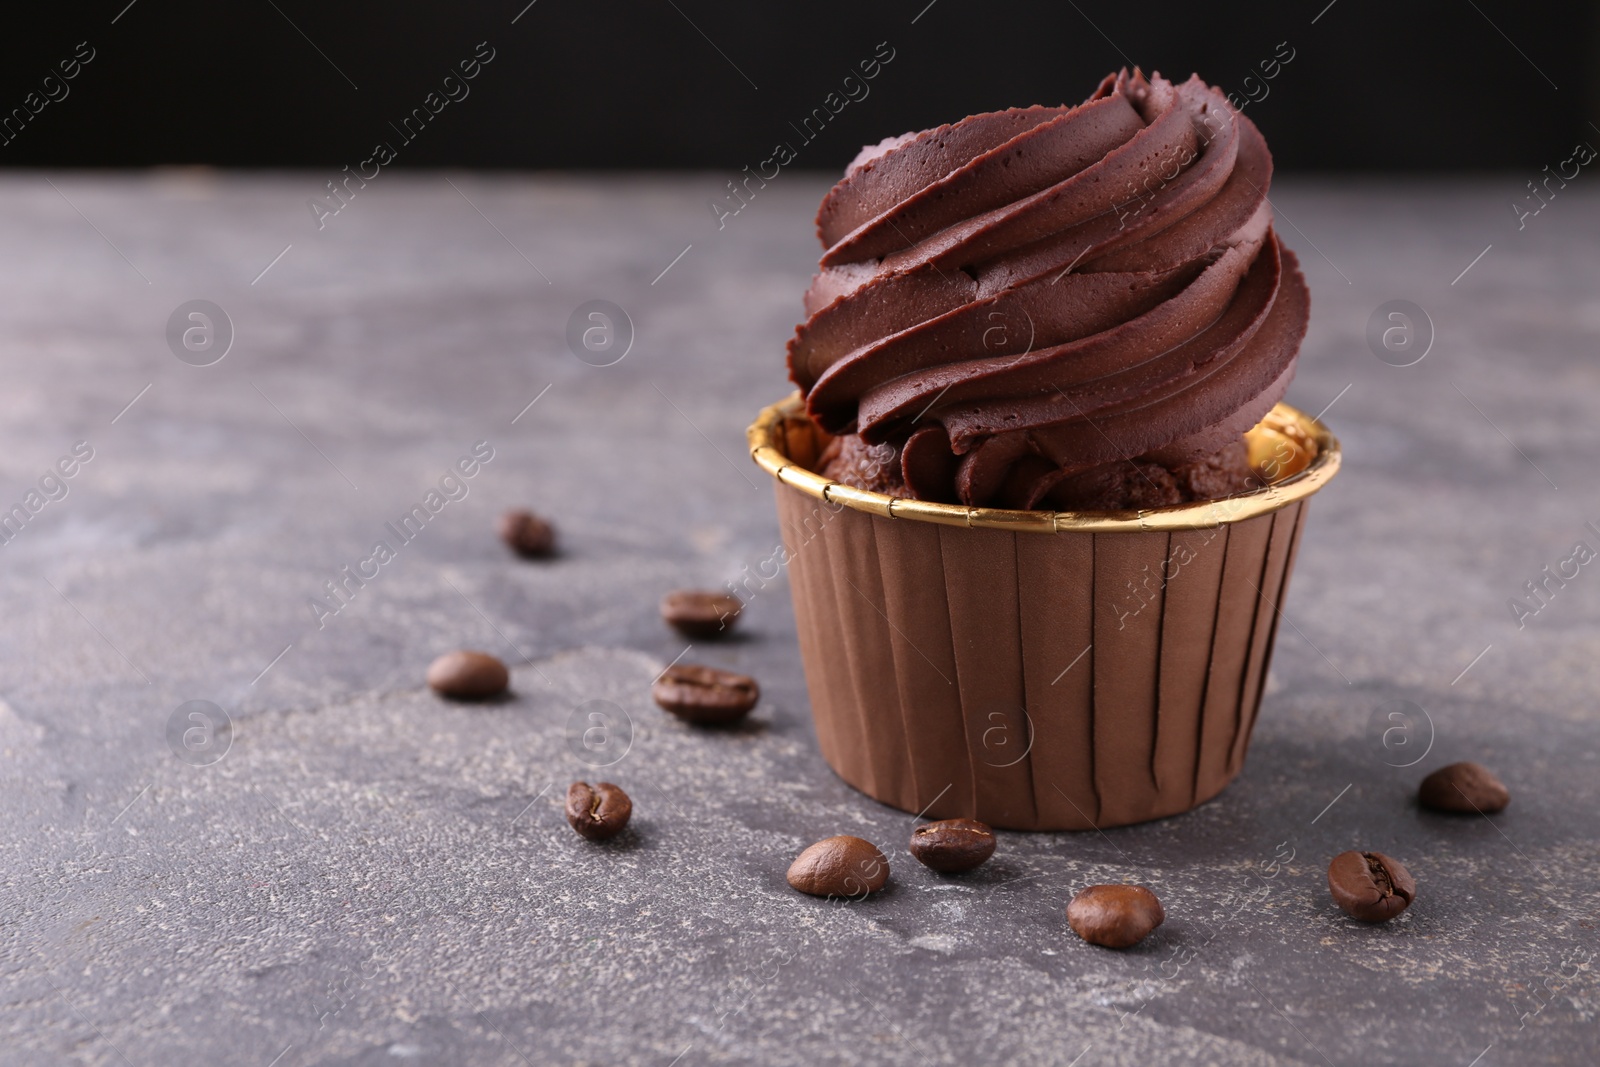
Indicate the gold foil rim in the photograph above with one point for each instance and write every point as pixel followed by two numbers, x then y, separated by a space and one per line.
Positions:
pixel 1313 459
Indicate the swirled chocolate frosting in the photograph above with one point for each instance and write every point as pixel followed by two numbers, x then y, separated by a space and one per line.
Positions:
pixel 1054 306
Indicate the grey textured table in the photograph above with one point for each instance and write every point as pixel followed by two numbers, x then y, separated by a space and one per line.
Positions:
pixel 369 875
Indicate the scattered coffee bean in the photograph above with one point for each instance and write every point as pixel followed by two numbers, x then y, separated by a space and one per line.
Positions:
pixel 598 812
pixel 951 846
pixel 704 695
pixel 840 866
pixel 1468 787
pixel 527 534
pixel 468 675
pixel 700 613
pixel 1115 916
pixel 1370 886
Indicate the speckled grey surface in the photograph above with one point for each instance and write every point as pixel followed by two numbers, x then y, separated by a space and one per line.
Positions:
pixel 372 876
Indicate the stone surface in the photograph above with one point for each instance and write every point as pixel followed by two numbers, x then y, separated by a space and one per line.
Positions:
pixel 371 875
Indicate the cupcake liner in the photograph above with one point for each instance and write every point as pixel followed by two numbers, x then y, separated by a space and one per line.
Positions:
pixel 1038 670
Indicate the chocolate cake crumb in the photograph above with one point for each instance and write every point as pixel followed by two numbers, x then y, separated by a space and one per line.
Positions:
pixel 852 461
pixel 1221 474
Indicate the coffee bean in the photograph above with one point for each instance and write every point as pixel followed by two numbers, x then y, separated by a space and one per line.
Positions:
pixel 1115 916
pixel 1470 788
pixel 527 534
pixel 840 866
pixel 700 613
pixel 598 812
pixel 1370 886
pixel 704 695
pixel 466 675
pixel 951 846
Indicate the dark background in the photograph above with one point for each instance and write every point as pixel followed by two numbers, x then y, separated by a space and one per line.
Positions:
pixel 1461 84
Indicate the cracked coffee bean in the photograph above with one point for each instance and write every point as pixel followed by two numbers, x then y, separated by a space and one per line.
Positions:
pixel 598 812
pixel 1115 916
pixel 700 613
pixel 840 866
pixel 705 696
pixel 1469 788
pixel 527 534
pixel 466 675
pixel 951 846
pixel 1370 886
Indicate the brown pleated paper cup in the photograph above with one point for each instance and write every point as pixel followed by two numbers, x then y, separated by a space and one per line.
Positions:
pixel 1038 670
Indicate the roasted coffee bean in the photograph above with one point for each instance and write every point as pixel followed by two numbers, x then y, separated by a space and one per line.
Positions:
pixel 704 695
pixel 1370 886
pixel 951 846
pixel 527 534
pixel 840 866
pixel 598 812
pixel 1115 916
pixel 468 675
pixel 1470 788
pixel 700 613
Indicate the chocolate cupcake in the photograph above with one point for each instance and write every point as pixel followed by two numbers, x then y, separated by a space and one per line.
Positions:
pixel 1038 489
